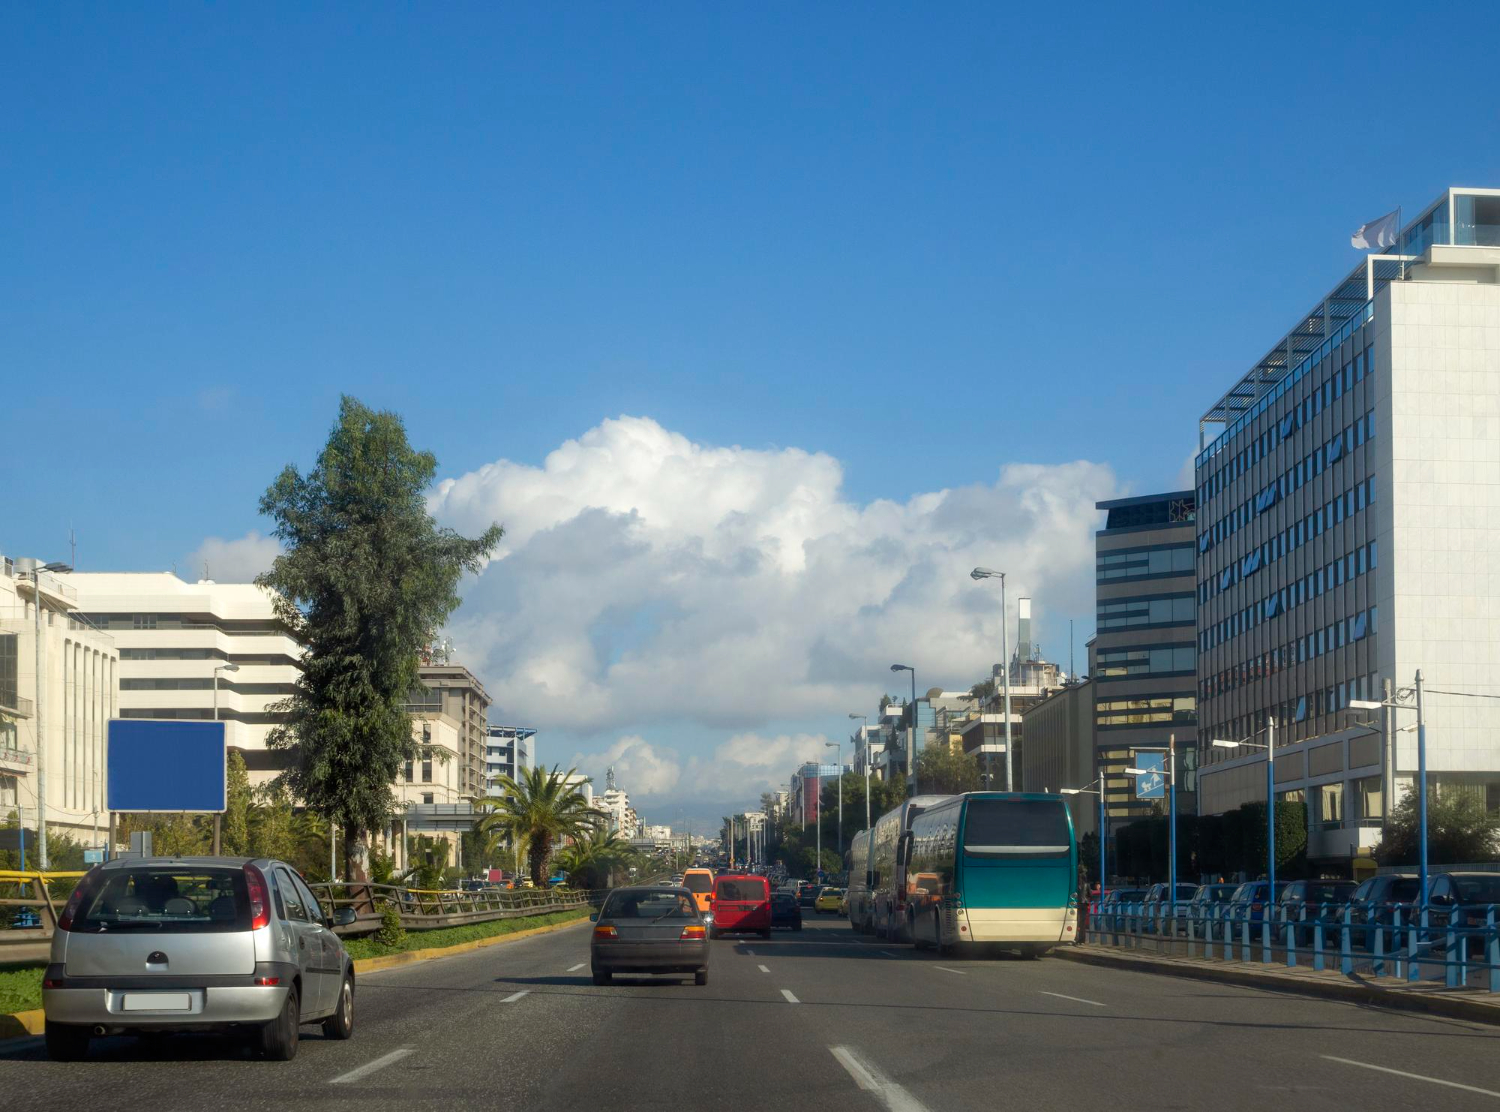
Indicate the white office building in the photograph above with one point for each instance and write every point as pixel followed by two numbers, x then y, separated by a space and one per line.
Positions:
pixel 59 736
pixel 176 639
pixel 1349 534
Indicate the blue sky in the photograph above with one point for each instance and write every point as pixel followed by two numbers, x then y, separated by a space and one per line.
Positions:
pixel 924 243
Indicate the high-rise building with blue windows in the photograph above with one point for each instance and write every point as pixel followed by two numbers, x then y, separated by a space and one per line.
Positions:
pixel 1348 534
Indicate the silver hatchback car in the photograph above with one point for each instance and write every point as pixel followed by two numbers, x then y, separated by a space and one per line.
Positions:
pixel 166 944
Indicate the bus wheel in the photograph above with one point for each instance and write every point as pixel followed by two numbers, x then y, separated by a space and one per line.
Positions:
pixel 917 941
pixel 937 932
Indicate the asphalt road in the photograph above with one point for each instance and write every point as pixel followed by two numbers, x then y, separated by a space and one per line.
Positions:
pixel 823 1019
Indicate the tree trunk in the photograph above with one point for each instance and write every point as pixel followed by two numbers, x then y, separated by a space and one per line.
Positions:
pixel 539 849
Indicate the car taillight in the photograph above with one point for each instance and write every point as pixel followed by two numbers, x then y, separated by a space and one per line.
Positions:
pixel 606 932
pixel 268 981
pixel 692 932
pixel 260 898
pixel 83 889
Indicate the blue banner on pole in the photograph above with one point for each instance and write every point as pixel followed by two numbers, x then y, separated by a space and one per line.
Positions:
pixel 155 765
pixel 1153 785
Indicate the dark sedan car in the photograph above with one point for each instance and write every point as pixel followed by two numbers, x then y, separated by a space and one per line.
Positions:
pixel 1462 900
pixel 1320 899
pixel 1375 903
pixel 785 910
pixel 649 929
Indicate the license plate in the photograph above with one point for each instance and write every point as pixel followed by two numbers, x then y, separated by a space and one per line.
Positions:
pixel 158 1002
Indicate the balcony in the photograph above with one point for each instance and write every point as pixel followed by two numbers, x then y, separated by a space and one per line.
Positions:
pixel 17 706
pixel 15 761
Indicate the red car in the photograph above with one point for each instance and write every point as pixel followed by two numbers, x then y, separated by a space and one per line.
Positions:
pixel 741 905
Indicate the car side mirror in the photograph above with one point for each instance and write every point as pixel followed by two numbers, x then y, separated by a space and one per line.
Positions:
pixel 342 917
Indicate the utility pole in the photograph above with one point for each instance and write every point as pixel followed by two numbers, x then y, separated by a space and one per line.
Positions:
pixel 1010 780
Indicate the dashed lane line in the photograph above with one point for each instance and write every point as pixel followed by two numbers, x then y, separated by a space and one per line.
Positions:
pixel 1413 1076
pixel 370 1067
pixel 867 1077
pixel 576 968
pixel 763 969
pixel 945 969
pixel 1075 999
pixel 790 999
pixel 513 997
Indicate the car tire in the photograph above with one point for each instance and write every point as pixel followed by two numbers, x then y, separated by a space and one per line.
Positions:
pixel 340 1025
pixel 66 1043
pixel 278 1038
pixel 603 976
pixel 700 977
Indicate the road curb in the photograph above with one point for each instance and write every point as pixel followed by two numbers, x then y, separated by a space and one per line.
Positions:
pixel 1344 991
pixel 408 957
pixel 23 1025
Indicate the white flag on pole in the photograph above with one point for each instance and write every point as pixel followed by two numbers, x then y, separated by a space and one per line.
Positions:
pixel 1377 234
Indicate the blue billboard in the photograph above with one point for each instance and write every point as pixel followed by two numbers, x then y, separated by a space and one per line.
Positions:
pixel 162 765
pixel 1153 785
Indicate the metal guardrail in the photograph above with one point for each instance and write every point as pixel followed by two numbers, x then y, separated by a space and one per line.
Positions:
pixel 1463 948
pixel 36 918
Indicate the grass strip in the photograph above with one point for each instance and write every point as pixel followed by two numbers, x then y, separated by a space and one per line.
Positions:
pixel 21 986
pixel 451 936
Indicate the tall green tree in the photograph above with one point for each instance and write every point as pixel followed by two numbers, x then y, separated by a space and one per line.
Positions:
pixel 240 801
pixel 946 771
pixel 594 861
pixel 537 810
pixel 1459 830
pixel 366 579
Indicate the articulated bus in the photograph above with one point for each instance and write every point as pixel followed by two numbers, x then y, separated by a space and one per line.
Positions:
pixel 859 881
pixel 889 847
pixel 998 868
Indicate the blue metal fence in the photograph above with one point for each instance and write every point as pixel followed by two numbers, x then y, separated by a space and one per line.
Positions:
pixel 1458 944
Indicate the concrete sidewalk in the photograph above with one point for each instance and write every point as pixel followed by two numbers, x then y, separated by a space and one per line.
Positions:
pixel 1359 988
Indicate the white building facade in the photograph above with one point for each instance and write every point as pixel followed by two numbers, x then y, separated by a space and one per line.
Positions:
pixel 1349 535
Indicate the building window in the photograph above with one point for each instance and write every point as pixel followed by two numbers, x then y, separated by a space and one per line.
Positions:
pixel 1367 797
pixel 1330 803
pixel 426 770
pixel 409 771
pixel 143 621
pixel 426 797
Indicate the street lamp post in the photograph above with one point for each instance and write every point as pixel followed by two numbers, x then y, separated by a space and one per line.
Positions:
pixel 990 573
pixel 864 736
pixel 838 762
pixel 911 733
pixel 1091 790
pixel 219 817
pixel 1413 693
pixel 1270 748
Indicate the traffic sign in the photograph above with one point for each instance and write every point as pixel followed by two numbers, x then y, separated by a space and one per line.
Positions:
pixel 1152 785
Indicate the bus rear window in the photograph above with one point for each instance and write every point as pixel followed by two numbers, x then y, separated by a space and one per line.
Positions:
pixel 697 882
pixel 997 827
pixel 736 891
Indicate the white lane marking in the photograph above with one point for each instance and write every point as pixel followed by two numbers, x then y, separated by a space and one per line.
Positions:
pixel 370 1067
pixel 871 1080
pixel 763 969
pixel 576 968
pixel 749 951
pixel 945 969
pixel 1075 999
pixel 513 997
pixel 790 999
pixel 1413 1076
pixel 887 953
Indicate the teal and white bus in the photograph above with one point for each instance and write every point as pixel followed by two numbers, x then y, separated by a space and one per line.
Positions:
pixel 996 868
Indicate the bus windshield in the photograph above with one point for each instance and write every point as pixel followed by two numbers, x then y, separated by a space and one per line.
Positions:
pixel 1015 827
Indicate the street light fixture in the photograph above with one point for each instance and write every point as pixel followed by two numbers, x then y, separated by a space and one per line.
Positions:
pixel 838 761
pixel 1099 791
pixel 1270 747
pixel 1410 698
pixel 911 736
pixel 990 573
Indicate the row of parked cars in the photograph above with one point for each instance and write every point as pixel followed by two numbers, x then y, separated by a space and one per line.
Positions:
pixel 1459 899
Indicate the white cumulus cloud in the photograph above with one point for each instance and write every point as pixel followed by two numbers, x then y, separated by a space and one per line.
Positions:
pixel 646 579
pixel 232 561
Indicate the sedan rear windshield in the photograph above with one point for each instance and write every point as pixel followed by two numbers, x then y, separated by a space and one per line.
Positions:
pixel 649 905
pixel 1478 889
pixel 737 890
pixel 698 882
pixel 176 899
pixel 1015 827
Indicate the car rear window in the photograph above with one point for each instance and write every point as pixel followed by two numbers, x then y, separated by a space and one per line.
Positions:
pixel 657 904
pixel 1478 889
pixel 1328 893
pixel 736 890
pixel 1403 890
pixel 1005 827
pixel 698 882
pixel 178 899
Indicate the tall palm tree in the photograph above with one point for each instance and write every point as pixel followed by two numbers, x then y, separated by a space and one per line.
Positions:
pixel 538 809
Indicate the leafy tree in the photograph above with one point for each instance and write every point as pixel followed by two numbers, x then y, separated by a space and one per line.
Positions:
pixel 1459 830
pixel 365 581
pixel 592 862
pixel 240 799
pixel 946 771
pixel 537 810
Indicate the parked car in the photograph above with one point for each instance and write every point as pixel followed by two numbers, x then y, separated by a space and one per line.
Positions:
pixel 741 905
pixel 1461 900
pixel 828 900
pixel 165 944
pixel 1209 896
pixel 1249 902
pixel 1112 916
pixel 1320 898
pixel 649 929
pixel 785 911
pixel 1375 901
pixel 1156 901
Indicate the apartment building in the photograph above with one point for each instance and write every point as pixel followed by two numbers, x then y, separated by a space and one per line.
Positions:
pixel 509 751
pixel 1347 488
pixel 453 690
pixel 55 731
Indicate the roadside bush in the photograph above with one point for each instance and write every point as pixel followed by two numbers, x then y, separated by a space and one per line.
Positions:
pixel 391 932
